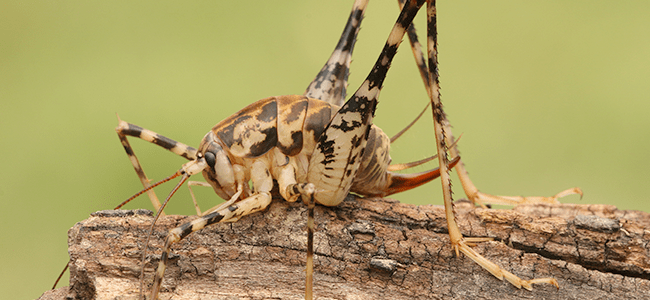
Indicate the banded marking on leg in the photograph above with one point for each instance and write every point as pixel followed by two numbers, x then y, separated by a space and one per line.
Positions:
pixel 472 192
pixel 231 213
pixel 146 182
pixel 175 147
pixel 416 49
pixel 331 82
pixel 336 159
pixel 125 129
pixel 262 184
pixel 458 242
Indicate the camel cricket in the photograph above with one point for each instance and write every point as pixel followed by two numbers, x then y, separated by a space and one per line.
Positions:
pixel 319 148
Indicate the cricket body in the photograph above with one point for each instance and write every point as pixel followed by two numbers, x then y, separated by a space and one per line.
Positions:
pixel 309 142
pixel 281 138
pixel 314 150
pixel 275 138
pixel 318 151
pixel 280 134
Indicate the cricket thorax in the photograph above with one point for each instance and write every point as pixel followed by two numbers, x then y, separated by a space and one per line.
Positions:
pixel 284 130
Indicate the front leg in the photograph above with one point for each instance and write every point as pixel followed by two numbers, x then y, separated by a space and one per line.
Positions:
pixel 263 184
pixel 125 129
pixel 231 213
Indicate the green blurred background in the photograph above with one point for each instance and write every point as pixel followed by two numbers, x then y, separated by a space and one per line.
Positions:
pixel 548 94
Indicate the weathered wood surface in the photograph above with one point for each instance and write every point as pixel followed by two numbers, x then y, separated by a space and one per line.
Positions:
pixel 369 249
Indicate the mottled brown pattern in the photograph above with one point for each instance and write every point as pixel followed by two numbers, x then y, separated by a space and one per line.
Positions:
pixel 331 82
pixel 292 111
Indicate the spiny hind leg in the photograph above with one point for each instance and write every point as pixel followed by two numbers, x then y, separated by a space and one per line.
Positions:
pixel 420 62
pixel 331 82
pixel 458 242
pixel 479 198
pixel 125 129
pixel 472 192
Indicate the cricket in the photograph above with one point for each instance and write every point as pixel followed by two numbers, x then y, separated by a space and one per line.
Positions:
pixel 317 147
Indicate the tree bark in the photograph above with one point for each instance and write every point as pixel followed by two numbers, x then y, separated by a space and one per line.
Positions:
pixel 365 249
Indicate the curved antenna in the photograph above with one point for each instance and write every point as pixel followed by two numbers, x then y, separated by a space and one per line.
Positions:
pixel 178 173
pixel 146 244
pixel 122 204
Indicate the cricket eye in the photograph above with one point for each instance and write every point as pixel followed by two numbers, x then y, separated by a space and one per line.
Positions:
pixel 210 159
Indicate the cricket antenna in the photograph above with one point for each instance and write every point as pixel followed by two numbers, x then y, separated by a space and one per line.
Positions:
pixel 178 173
pixel 146 243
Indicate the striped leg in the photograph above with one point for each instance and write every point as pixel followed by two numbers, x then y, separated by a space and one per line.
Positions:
pixel 458 242
pixel 332 81
pixel 125 129
pixel 469 188
pixel 420 62
pixel 336 159
pixel 263 184
pixel 231 213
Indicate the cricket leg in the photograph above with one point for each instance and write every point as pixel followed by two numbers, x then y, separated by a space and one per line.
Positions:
pixel 458 242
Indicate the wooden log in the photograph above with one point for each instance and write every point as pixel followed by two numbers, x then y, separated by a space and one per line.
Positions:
pixel 368 249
